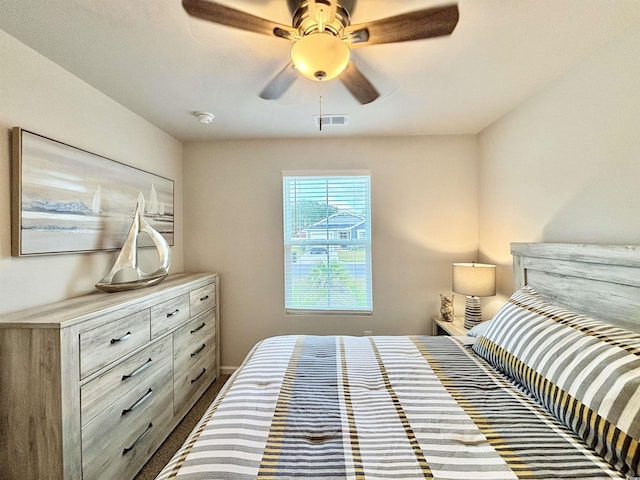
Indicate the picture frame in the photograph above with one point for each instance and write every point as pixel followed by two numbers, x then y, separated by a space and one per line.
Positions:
pixel 68 200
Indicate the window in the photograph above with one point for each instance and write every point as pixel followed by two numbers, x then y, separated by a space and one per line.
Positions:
pixel 327 242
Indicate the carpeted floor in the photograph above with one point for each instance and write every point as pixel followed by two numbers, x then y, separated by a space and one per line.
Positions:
pixel 171 445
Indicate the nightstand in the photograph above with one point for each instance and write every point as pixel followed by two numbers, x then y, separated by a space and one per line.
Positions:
pixel 455 328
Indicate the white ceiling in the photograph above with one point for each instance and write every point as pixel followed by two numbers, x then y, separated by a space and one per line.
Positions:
pixel 150 56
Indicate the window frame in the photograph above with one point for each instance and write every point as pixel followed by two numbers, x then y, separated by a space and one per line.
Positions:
pixel 362 240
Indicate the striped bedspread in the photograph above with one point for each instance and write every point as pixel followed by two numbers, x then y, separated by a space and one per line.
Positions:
pixel 377 407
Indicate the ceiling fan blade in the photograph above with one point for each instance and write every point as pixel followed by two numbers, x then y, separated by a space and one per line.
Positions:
pixel 217 13
pixel 426 23
pixel 280 83
pixel 359 86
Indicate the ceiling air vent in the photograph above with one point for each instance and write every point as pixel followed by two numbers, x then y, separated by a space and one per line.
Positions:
pixel 331 120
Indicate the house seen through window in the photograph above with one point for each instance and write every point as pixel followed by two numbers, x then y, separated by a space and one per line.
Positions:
pixel 327 242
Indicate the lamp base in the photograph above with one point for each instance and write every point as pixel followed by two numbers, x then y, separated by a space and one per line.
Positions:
pixel 472 312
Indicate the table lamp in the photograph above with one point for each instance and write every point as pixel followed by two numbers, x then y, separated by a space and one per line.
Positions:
pixel 474 280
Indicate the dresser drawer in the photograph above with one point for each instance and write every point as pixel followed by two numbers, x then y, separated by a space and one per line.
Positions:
pixel 193 357
pixel 106 343
pixel 117 442
pixel 168 315
pixel 100 393
pixel 202 298
pixel 193 379
pixel 192 335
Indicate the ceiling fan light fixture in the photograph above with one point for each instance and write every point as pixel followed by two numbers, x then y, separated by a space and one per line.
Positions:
pixel 320 56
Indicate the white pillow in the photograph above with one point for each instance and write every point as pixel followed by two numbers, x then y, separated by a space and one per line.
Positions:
pixel 479 329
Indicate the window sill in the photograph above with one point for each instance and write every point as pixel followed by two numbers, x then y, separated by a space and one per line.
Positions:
pixel 341 313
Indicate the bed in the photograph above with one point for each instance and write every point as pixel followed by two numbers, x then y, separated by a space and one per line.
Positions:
pixel 550 388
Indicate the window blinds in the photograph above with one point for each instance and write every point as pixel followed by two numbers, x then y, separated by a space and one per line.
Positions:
pixel 327 243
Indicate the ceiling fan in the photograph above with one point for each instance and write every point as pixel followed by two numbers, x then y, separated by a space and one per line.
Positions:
pixel 323 37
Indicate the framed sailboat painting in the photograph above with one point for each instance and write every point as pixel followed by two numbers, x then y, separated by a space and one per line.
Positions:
pixel 68 200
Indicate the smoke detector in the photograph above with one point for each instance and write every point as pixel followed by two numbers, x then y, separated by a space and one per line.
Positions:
pixel 204 117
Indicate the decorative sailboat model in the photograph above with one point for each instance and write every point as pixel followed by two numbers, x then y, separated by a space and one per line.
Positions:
pixel 128 256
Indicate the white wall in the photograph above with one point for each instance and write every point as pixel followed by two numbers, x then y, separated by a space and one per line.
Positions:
pixel 565 165
pixel 424 202
pixel 40 96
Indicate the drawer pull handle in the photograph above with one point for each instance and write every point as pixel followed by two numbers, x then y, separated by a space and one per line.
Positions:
pixel 133 445
pixel 198 328
pixel 175 312
pixel 137 370
pixel 124 337
pixel 198 377
pixel 198 350
pixel 202 299
pixel 140 401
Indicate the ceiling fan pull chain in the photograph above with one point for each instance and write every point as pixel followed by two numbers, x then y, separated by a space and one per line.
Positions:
pixel 320 104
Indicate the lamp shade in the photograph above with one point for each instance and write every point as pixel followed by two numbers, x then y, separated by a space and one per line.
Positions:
pixel 474 279
pixel 320 56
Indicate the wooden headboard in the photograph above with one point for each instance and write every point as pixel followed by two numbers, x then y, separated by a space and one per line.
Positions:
pixel 601 281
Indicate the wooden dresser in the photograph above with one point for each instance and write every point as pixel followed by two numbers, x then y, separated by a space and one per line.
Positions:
pixel 91 386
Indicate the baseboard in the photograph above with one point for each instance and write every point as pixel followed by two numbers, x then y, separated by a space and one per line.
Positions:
pixel 227 370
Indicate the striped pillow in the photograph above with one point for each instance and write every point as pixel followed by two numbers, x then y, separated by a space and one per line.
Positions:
pixel 584 371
